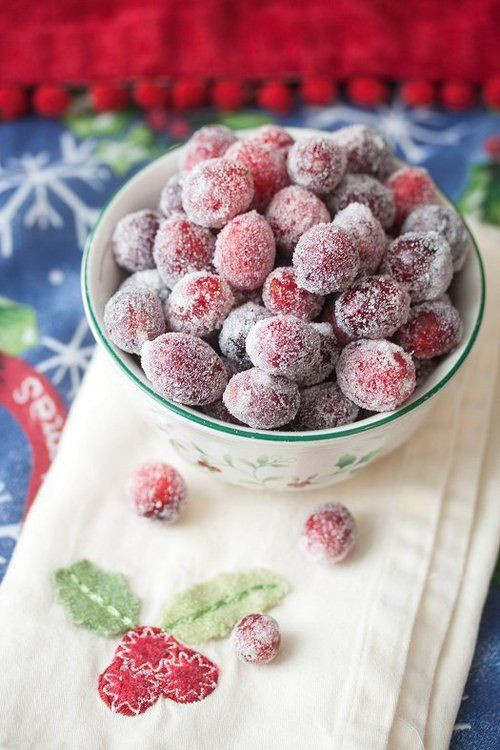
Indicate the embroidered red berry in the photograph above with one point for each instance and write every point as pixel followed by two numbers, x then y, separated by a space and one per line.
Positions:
pixel 215 191
pixel 245 251
pixel 182 247
pixel 366 232
pixel 291 212
pixel 208 142
pixel 266 164
pixel 325 259
pixel 433 329
pixel 190 677
pixel 146 649
pixel 199 303
pixel 133 316
pixel 410 187
pixel 316 164
pixel 363 188
pixel 376 375
pixel 261 400
pixel 273 135
pixel 284 345
pixel 421 262
pixel 127 692
pixel 282 295
pixel 133 240
pixel 256 639
pixel 329 533
pixel 158 491
pixel 184 368
pixel 366 150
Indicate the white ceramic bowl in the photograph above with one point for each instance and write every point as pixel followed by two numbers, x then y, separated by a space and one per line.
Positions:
pixel 256 458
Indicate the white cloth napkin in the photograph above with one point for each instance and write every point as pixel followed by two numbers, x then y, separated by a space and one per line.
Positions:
pixel 375 650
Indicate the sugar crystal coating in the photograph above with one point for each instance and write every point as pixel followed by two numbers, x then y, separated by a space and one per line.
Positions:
pixel 316 164
pixel 208 142
pixel 218 410
pixel 291 213
pixel 329 352
pixel 266 164
pixel 245 251
pixel 282 295
pixel 421 262
pixel 157 490
pixel 256 639
pixel 325 259
pixel 261 400
pixel 182 247
pixel 374 308
pixel 133 316
pixel 366 150
pixel 235 329
pixel 433 329
pixel 445 221
pixel 423 368
pixel 184 369
pixel 363 188
pixel 376 375
pixel 149 279
pixel 329 533
pixel 284 345
pixel 199 303
pixel 324 406
pixel 273 135
pixel 410 187
pixel 366 232
pixel 328 316
pixel 133 239
pixel 215 191
pixel 171 196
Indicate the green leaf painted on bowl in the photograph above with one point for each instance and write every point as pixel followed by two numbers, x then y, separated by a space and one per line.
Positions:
pixel 210 610
pixel 96 599
pixel 345 460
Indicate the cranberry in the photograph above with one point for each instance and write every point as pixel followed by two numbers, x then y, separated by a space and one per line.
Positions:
pixel 329 533
pixel 366 232
pixel 366 150
pixel 282 295
pixel 208 142
pixel 261 400
pixel 132 317
pixel 317 164
pixel 149 279
pixel 182 247
pixel 421 262
pixel 171 196
pixel 158 491
pixel 325 259
pixel 291 213
pixel 433 329
pixel 215 191
pixel 411 187
pixel 284 345
pixel 266 164
pixel 374 308
pixel 256 639
pixel 273 135
pixel 199 303
pixel 324 406
pixel 329 352
pixel 133 240
pixel 245 251
pixel 235 330
pixel 363 188
pixel 445 221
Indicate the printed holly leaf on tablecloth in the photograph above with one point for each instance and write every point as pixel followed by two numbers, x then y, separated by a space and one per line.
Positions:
pixel 18 327
pixel 89 124
pixel 481 197
pixel 241 120
pixel 209 610
pixel 121 155
pixel 96 599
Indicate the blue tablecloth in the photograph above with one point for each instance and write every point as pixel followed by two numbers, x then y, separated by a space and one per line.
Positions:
pixel 54 178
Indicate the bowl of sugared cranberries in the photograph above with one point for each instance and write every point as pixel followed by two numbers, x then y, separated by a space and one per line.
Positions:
pixel 285 309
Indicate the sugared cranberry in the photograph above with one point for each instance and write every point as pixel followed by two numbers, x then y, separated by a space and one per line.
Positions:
pixel 199 303
pixel 329 352
pixel 291 213
pixel 324 406
pixel 445 221
pixel 245 251
pixel 261 400
pixel 376 375
pixel 266 164
pixel 157 490
pixel 421 262
pixel 215 191
pixel 149 279
pixel 366 150
pixel 316 164
pixel 325 259
pixel 235 329
pixel 374 308
pixel 328 316
pixel 433 329
pixel 171 196
pixel 184 369
pixel 366 232
pixel 208 142
pixel 410 187
pixel 133 240
pixel 363 188
pixel 217 410
pixel 182 247
pixel 282 295
pixel 132 317
pixel 423 368
pixel 256 639
pixel 329 533
pixel 273 135
pixel 284 345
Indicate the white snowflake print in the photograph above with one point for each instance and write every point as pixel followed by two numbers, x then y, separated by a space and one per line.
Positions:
pixel 413 131
pixel 70 359
pixel 30 182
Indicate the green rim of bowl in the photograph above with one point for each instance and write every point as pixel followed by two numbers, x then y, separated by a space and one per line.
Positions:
pixel 276 437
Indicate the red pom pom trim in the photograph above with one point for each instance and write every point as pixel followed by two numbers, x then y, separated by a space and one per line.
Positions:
pixel 108 97
pixel 229 95
pixel 367 91
pixel 318 90
pixel 189 93
pixel 418 93
pixel 50 101
pixel 458 95
pixel 491 92
pixel 276 96
pixel 149 94
pixel 13 102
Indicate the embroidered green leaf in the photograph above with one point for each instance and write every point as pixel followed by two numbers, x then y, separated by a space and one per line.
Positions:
pixel 18 328
pixel 96 599
pixel 210 609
